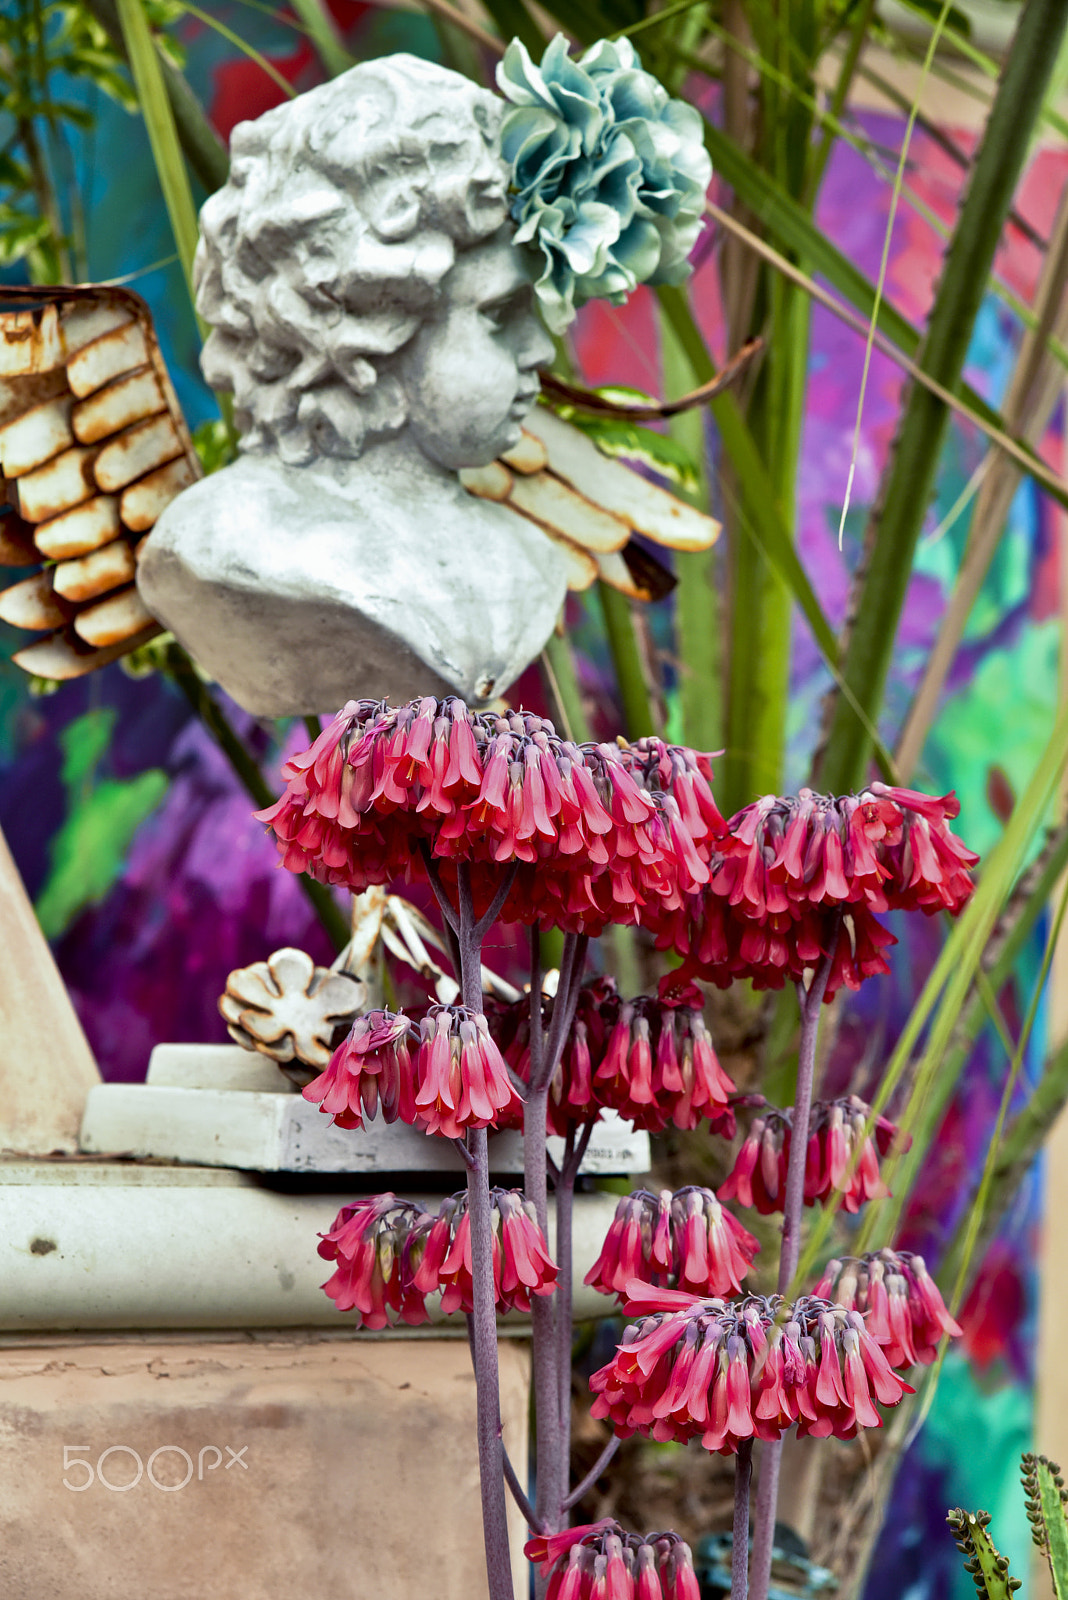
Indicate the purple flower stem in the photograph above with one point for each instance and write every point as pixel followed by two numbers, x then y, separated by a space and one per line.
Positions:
pixel 606 1455
pixel 483 1323
pixel 542 1307
pixel 550 1316
pixel 465 1154
pixel 496 905
pixel 564 1190
pixel 743 1477
pixel 572 962
pixel 810 1001
pixel 543 1314
pixel 445 905
pixel 511 1477
pixel 565 1196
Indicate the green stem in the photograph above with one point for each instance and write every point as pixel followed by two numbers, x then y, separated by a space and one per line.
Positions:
pixel 203 148
pixel 558 665
pixel 964 1249
pixel 626 658
pixel 857 40
pixel 699 638
pixel 323 33
pixel 761 517
pixel 147 73
pixel 698 603
pixel 1006 943
pixel 45 195
pixel 1024 1138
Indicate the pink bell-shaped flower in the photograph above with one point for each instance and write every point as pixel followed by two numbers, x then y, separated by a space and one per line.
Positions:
pixel 598 833
pixel 685 1240
pixel 372 1242
pixel 601 1561
pixel 726 1371
pixel 899 1300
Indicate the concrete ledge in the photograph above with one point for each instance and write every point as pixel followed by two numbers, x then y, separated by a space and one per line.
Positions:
pixel 90 1245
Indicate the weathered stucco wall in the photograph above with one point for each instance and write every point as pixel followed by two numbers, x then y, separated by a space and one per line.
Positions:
pixel 342 1467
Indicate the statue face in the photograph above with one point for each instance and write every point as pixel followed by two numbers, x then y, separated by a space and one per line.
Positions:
pixel 469 373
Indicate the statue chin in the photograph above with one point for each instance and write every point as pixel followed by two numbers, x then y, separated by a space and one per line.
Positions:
pixel 297 592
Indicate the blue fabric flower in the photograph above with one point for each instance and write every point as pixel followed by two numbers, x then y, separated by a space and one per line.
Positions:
pixel 608 173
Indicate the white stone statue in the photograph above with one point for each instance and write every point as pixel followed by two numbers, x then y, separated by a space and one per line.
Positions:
pixel 375 322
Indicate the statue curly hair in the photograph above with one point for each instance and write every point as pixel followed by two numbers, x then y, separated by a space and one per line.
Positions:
pixel 325 251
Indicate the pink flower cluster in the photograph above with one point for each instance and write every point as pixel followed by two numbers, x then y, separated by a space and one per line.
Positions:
pixel 885 848
pixel 659 1066
pixel 685 1240
pixel 836 1131
pixel 721 944
pixel 786 861
pixel 600 831
pixel 521 1263
pixel 650 1059
pixel 600 1561
pixel 454 1079
pixel 391 1254
pixel 725 1371
pixel 899 1300
pixel 377 1243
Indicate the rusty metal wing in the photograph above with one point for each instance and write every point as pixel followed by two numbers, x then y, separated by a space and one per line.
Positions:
pixel 93 446
pixel 592 507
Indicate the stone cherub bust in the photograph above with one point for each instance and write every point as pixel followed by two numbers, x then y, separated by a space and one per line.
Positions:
pixel 375 321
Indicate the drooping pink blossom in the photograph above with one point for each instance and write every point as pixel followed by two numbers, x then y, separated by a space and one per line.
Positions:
pixel 899 1300
pixel 462 1077
pixel 796 879
pixel 454 1078
pixel 392 1255
pixel 370 1070
pixel 885 848
pixel 659 1066
pixel 599 833
pixel 601 1561
pixel 726 1371
pixel 836 1138
pixel 572 1097
pixel 721 945
pixel 373 1242
pixel 650 1059
pixel 521 1263
pixel 685 1240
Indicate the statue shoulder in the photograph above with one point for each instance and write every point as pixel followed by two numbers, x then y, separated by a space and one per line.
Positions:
pixel 226 509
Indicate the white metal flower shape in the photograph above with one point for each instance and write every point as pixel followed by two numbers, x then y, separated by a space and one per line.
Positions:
pixel 288 1008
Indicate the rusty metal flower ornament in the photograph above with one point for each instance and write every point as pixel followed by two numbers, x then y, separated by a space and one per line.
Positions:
pixel 288 1008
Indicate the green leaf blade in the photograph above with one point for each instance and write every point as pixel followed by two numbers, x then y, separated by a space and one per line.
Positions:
pixel 911 472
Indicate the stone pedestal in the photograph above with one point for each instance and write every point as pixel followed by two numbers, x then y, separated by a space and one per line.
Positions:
pixel 251 1468
pixel 46 1065
pixel 221 1106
